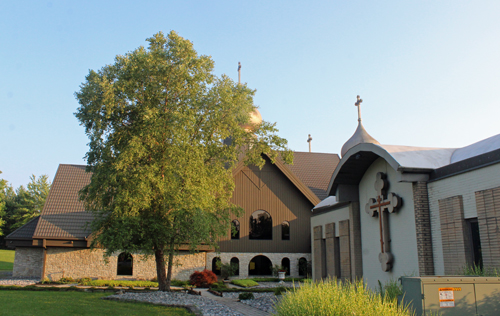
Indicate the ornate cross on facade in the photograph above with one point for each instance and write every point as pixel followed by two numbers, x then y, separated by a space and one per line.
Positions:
pixel 358 104
pixel 376 207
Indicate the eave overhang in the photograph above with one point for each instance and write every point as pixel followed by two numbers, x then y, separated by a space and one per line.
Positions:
pixel 359 158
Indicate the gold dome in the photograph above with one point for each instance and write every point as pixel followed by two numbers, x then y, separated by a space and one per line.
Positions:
pixel 255 120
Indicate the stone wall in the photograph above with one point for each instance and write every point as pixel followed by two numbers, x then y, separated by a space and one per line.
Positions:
pixel 245 258
pixel 28 263
pixel 79 263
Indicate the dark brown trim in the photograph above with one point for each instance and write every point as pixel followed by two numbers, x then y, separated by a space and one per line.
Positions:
pixel 466 165
pixel 44 262
pixel 326 209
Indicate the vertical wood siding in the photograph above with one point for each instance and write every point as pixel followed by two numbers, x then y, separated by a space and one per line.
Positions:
pixel 269 190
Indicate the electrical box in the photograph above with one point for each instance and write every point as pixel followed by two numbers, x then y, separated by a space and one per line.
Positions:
pixel 452 295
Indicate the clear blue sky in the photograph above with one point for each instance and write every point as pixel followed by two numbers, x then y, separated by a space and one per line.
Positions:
pixel 428 71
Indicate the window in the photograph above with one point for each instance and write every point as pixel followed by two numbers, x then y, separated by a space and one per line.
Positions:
pixel 303 266
pixel 235 229
pixel 235 262
pixel 475 242
pixel 125 265
pixel 285 263
pixel 261 225
pixel 285 230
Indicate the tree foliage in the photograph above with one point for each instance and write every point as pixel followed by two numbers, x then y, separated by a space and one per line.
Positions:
pixel 17 207
pixel 162 175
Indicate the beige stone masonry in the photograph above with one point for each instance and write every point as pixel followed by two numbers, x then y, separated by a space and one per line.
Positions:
pixel 80 263
pixel 28 262
pixel 246 257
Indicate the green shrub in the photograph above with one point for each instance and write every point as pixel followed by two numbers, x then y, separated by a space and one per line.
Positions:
pixel 279 290
pixel 66 280
pixel 245 282
pixel 218 286
pixel 179 283
pixel 479 271
pixel 390 290
pixel 336 298
pixel 246 296
pixel 278 280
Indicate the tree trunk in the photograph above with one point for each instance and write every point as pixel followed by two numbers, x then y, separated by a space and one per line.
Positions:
pixel 163 285
pixel 170 264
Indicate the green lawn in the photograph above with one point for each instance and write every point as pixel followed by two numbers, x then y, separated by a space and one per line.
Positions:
pixel 7 259
pixel 75 303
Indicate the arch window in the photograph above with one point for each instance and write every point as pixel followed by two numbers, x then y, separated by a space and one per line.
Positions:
pixel 235 229
pixel 261 225
pixel 303 266
pixel 236 263
pixel 285 263
pixel 285 230
pixel 216 264
pixel 125 264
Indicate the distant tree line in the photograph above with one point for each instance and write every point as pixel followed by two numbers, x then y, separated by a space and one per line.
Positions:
pixel 19 206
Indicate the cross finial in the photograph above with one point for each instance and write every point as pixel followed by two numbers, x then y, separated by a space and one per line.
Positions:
pixel 239 73
pixel 358 104
pixel 309 139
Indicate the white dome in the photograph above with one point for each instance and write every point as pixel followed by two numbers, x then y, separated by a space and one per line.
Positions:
pixel 359 136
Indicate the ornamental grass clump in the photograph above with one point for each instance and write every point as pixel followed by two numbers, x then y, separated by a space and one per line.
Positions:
pixel 331 297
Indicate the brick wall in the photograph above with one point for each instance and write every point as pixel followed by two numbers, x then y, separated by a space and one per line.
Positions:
pixel 488 216
pixel 465 184
pixel 423 228
pixel 456 244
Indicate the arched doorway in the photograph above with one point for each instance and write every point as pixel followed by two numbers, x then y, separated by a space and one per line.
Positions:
pixel 260 265
pixel 125 264
pixel 216 265
pixel 285 263
pixel 236 263
pixel 303 266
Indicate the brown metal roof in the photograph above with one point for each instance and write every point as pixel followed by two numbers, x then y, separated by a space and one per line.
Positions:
pixel 63 215
pixel 26 231
pixel 315 170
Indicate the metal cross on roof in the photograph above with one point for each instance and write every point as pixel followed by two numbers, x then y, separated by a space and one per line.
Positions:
pixel 376 207
pixel 358 104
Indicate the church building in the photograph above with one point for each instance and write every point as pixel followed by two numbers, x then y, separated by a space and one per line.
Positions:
pixel 408 211
pixel 274 228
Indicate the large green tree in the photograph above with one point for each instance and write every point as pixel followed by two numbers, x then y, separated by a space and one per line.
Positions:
pixel 3 187
pixel 162 174
pixel 28 202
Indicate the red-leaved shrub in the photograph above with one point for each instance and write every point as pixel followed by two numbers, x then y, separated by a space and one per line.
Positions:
pixel 203 278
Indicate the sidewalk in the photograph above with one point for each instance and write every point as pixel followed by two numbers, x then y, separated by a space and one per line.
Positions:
pixel 234 304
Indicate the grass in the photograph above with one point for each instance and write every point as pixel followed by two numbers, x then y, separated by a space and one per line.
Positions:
pixel 336 298
pixel 245 282
pixel 7 260
pixel 75 303
pixel 277 280
pixel 124 283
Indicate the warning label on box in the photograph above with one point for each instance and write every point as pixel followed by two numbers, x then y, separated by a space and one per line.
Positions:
pixel 447 296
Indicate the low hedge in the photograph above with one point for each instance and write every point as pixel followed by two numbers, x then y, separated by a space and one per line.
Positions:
pixel 244 282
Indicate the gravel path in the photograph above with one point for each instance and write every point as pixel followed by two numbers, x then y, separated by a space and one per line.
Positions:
pixel 17 281
pixel 207 306
pixel 263 301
